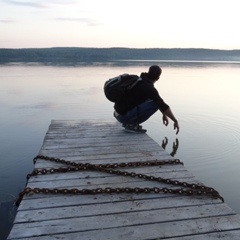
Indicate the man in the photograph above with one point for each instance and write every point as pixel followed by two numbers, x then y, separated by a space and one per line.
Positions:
pixel 142 102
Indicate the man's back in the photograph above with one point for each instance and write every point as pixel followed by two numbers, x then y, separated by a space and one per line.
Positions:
pixel 143 91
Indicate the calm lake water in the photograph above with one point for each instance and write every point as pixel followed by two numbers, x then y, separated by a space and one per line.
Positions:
pixel 204 96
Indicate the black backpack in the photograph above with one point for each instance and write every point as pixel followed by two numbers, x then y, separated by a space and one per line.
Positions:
pixel 116 88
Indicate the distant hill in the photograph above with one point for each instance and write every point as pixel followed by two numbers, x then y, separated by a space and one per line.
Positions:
pixel 79 54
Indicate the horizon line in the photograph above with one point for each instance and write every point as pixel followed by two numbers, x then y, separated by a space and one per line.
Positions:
pixel 173 48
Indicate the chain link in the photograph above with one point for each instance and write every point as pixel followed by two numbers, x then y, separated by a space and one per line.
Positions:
pixel 193 189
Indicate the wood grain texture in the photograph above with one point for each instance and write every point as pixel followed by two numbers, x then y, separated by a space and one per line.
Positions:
pixel 115 216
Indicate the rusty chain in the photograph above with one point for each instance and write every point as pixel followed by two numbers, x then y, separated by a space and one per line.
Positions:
pixel 193 189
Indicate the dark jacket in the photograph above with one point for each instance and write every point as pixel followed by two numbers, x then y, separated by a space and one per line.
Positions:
pixel 143 91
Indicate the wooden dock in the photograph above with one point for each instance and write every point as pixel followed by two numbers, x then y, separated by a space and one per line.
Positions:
pixel 115 215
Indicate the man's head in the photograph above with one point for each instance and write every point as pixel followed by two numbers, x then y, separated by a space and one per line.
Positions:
pixel 154 72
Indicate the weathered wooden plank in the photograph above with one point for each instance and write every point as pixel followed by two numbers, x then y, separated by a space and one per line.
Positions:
pixel 98 149
pixel 44 164
pixel 163 200
pixel 87 155
pixel 83 122
pixel 227 235
pixel 90 135
pixel 157 172
pixel 160 224
pixel 102 132
pixel 110 158
pixel 45 214
pixel 128 234
pixel 115 182
pixel 103 149
pixel 80 144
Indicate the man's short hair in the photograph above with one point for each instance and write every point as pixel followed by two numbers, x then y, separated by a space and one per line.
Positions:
pixel 154 72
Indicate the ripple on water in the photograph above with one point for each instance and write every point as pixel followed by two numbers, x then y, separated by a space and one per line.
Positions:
pixel 204 142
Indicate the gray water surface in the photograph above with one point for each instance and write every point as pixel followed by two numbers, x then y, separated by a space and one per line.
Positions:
pixel 204 96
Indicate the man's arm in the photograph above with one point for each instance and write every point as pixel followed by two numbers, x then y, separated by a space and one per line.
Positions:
pixel 168 113
pixel 164 108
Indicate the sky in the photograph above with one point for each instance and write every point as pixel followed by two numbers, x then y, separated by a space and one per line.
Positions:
pixel 120 23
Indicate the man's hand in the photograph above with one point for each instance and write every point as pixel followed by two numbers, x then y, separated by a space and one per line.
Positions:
pixel 168 113
pixel 165 120
pixel 176 126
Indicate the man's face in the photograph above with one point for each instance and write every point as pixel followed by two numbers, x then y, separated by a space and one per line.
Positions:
pixel 156 79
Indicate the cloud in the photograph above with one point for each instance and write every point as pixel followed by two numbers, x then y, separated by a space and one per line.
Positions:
pixel 36 4
pixel 6 21
pixel 47 105
pixel 86 21
pixel 39 3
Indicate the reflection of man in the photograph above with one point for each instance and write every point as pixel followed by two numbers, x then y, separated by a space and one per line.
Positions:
pixel 142 102
pixel 174 147
pixel 164 143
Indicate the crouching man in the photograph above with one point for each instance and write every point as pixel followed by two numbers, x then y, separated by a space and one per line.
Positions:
pixel 142 102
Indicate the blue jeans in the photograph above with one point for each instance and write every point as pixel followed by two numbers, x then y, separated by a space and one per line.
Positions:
pixel 138 114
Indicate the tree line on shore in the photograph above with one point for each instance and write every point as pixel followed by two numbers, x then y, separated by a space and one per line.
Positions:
pixel 79 54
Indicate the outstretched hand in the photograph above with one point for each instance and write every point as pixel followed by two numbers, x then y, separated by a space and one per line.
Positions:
pixel 165 120
pixel 176 126
pixel 168 113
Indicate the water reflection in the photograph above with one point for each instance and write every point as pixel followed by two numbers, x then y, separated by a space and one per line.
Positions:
pixel 132 63
pixel 7 212
pixel 174 147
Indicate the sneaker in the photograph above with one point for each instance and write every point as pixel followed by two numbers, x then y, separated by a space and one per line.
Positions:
pixel 131 128
pixel 130 125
